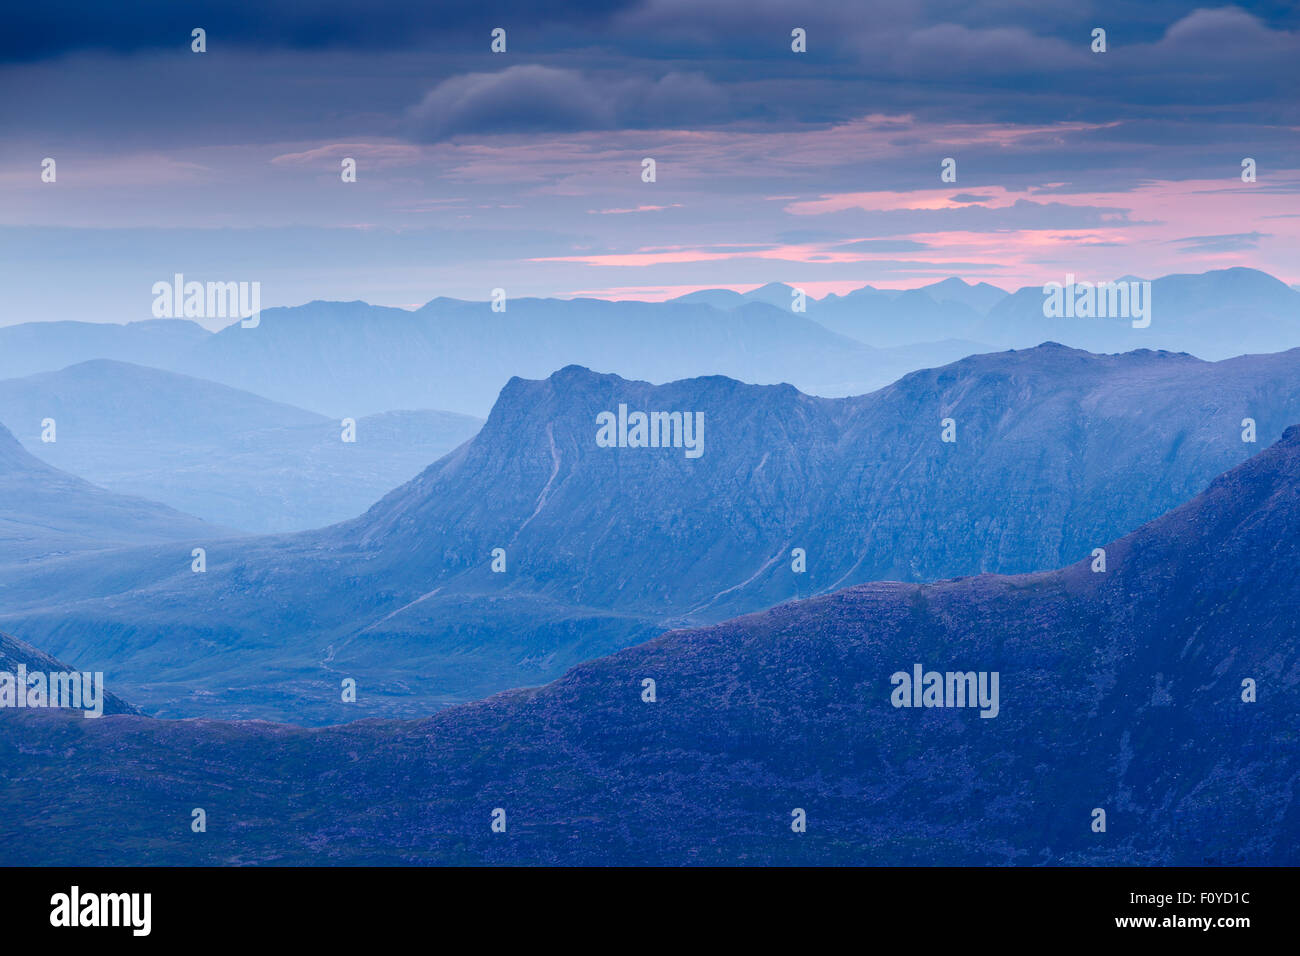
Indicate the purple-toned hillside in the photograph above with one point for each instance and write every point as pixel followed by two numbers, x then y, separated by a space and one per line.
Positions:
pixel 1119 691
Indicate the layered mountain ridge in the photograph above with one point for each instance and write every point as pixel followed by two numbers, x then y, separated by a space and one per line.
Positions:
pixel 1056 451
pixel 354 359
pixel 1159 693
pixel 228 456
pixel 47 513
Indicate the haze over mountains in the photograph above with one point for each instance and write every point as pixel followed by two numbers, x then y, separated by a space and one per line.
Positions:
pixel 1121 691
pixel 351 359
pixel 32 347
pixel 457 355
pixel 978 297
pixel 1213 315
pixel 1057 451
pixel 230 457
pixel 47 513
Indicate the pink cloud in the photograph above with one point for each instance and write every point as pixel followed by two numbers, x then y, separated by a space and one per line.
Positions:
pixel 619 212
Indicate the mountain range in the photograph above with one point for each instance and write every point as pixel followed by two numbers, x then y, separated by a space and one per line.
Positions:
pixel 978 297
pixel 1160 692
pixel 230 457
pixel 1214 315
pixel 353 359
pixel 1056 452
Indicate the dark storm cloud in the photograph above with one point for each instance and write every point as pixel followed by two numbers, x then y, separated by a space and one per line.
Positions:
pixel 1218 66
pixel 1173 73
pixel 37 30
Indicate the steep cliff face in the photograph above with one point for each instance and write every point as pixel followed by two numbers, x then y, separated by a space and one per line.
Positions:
pixel 1055 452
pixel 1161 691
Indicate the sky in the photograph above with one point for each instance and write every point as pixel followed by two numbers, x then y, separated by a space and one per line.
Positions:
pixel 522 170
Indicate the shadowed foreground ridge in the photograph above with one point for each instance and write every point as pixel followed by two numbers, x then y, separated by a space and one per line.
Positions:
pixel 1119 690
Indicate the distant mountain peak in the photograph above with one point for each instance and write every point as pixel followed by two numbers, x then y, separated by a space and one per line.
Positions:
pixel 978 296
pixel 718 298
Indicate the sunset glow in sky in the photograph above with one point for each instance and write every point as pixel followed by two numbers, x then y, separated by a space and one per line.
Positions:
pixel 522 170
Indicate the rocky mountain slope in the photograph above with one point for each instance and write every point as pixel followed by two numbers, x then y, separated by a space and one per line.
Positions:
pixel 1161 691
